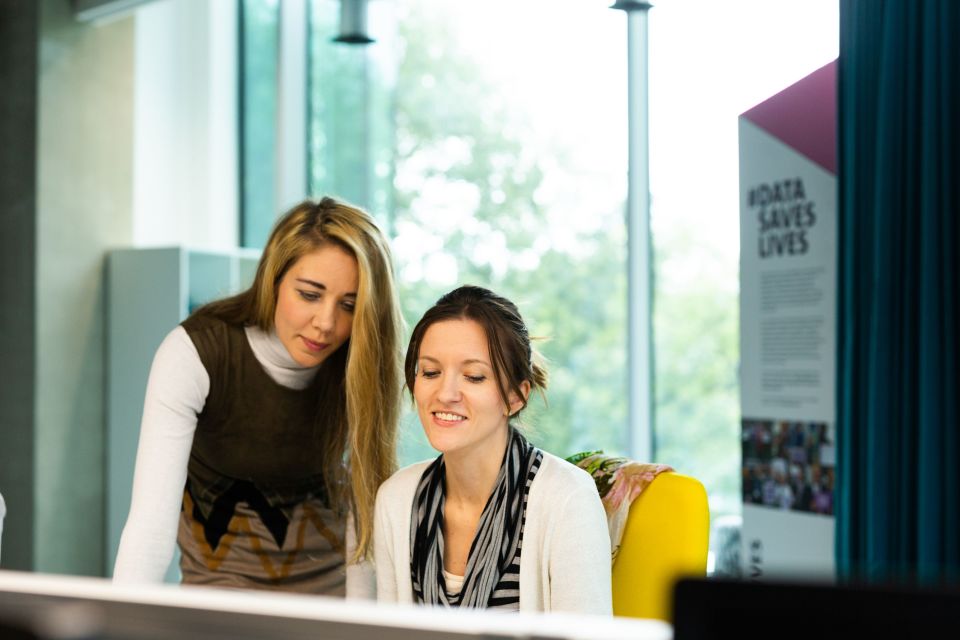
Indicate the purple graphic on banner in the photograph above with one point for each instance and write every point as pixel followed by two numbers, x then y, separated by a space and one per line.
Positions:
pixel 804 116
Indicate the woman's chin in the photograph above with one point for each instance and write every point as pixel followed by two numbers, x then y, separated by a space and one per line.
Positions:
pixel 440 441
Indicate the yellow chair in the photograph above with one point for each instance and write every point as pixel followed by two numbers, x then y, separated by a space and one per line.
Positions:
pixel 665 538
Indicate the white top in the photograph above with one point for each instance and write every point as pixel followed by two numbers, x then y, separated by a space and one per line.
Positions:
pixel 176 393
pixel 453 582
pixel 565 562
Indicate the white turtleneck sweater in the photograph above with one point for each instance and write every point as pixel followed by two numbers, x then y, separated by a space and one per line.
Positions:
pixel 176 393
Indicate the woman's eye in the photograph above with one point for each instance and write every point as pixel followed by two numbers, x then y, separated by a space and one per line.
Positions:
pixel 348 306
pixel 309 296
pixel 476 379
pixel 429 373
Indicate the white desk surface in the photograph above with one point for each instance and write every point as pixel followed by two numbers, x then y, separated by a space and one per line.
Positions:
pixel 348 618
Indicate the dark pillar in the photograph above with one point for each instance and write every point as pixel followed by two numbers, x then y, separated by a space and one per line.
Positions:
pixel 19 50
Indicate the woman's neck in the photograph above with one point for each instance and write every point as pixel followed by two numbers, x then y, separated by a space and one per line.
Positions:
pixel 276 360
pixel 471 475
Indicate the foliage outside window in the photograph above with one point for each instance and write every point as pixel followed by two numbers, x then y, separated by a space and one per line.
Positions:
pixel 490 140
pixel 495 191
pixel 485 189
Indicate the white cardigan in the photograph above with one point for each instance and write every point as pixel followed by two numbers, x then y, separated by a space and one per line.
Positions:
pixel 565 563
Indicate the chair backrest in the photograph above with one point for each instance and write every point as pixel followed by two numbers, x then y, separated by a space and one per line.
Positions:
pixel 665 538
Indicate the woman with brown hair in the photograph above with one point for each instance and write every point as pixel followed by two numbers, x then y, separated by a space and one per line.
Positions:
pixel 270 419
pixel 451 531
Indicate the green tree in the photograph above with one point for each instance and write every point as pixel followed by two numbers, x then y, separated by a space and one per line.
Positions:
pixel 455 129
pixel 464 185
pixel 697 354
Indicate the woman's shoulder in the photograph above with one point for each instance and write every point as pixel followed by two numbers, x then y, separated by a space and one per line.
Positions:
pixel 214 338
pixel 176 346
pixel 403 481
pixel 563 475
pixel 207 323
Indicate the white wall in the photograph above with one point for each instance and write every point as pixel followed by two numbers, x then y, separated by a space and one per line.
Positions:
pixel 136 145
pixel 84 198
pixel 185 186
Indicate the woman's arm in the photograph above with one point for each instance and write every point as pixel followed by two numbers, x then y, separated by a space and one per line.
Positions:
pixel 383 550
pixel 361 576
pixel 579 557
pixel 176 392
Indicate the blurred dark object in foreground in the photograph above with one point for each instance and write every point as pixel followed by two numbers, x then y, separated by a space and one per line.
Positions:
pixel 714 609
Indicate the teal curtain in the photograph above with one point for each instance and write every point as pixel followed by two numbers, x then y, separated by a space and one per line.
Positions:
pixel 898 473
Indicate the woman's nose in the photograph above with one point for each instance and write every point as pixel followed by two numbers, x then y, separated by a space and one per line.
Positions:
pixel 449 389
pixel 325 318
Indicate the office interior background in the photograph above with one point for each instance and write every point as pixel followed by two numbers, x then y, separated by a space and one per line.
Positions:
pixel 489 139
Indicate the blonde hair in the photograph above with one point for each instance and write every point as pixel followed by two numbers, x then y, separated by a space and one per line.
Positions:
pixel 361 404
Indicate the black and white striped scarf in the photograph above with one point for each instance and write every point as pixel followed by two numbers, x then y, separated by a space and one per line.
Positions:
pixel 498 532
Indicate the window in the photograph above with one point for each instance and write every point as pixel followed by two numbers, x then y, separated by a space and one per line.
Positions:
pixel 491 181
pixel 350 115
pixel 490 140
pixel 259 57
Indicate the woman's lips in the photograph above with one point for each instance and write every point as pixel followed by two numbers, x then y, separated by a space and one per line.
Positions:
pixel 314 346
pixel 448 418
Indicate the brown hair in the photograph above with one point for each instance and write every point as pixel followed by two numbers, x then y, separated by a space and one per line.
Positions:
pixel 360 407
pixel 512 357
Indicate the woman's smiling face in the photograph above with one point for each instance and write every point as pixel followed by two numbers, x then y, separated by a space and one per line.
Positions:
pixel 456 391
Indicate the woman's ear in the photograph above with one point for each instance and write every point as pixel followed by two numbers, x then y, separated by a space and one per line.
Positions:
pixel 517 403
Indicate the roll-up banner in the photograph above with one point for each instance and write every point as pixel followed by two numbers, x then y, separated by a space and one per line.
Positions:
pixel 788 280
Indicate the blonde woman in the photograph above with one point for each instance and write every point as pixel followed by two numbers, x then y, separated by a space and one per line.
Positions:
pixel 270 419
